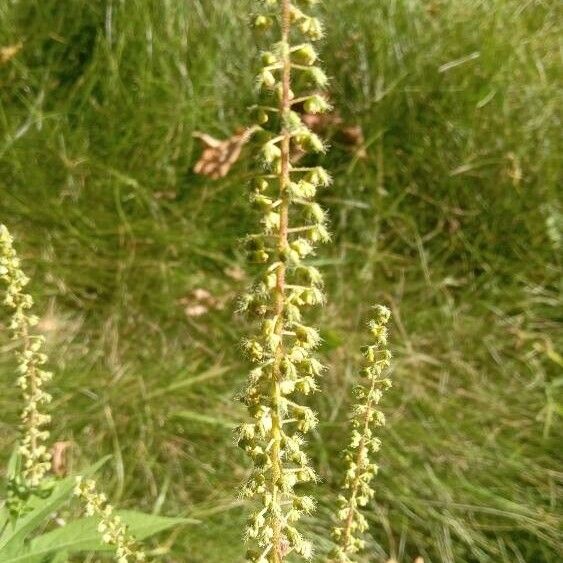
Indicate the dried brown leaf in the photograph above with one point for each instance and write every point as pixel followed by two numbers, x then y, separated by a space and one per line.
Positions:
pixel 235 272
pixel 196 310
pixel 200 294
pixel 353 136
pixel 59 461
pixel 219 155
pixel 200 301
pixel 9 52
pixel 322 123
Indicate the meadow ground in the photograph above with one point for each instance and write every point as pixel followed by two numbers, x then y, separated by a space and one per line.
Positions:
pixel 453 220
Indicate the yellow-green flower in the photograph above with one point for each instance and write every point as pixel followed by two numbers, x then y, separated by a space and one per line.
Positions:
pixel 285 369
pixel 36 459
pixel 110 526
pixel 357 490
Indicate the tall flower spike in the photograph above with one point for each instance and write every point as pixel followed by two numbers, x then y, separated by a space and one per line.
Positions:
pixel 285 367
pixel 357 489
pixel 32 377
pixel 110 526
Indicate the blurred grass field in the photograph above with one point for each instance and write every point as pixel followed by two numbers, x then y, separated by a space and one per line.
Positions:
pixel 454 220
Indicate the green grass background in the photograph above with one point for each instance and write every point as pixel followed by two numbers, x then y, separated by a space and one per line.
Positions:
pixel 454 221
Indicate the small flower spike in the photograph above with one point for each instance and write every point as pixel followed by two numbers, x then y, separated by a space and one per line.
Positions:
pixel 31 375
pixel 357 490
pixel 110 526
pixel 285 367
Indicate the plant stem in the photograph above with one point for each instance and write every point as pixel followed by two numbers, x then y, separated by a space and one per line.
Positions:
pixel 30 423
pixel 277 553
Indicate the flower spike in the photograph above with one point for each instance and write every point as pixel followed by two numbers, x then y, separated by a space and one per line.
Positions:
pixel 285 368
pixel 356 489
pixel 110 526
pixel 32 377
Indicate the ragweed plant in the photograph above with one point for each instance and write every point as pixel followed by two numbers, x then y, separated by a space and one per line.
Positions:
pixel 33 495
pixel 36 460
pixel 110 526
pixel 292 224
pixel 357 489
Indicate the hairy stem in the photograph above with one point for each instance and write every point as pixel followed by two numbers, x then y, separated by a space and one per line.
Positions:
pixel 31 422
pixel 277 553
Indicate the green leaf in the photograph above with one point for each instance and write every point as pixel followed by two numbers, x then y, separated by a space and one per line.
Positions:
pixel 40 508
pixel 23 558
pixel 82 535
pixel 61 557
pixel 4 518
pixel 14 462
pixel 205 419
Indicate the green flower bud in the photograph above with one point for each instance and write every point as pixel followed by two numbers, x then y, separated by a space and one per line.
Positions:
pixel 261 116
pixel 313 296
pixel 303 189
pixel 305 54
pixel 307 385
pixel 308 336
pixel 302 247
pixel 253 349
pixel 309 141
pixel 293 120
pixel 288 368
pixel 287 386
pixel 262 201
pixel 271 221
pixel 319 233
pixel 316 104
pixel 306 474
pixel 312 28
pixel 295 13
pixel 319 177
pixel 271 152
pixel 307 421
pixel 262 23
pixel 269 58
pixel 267 79
pixel 260 184
pixel 318 76
pixel 316 213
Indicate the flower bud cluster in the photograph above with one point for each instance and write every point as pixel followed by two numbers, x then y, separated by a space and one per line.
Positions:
pixel 357 489
pixel 310 26
pixel 285 368
pixel 31 375
pixel 112 529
